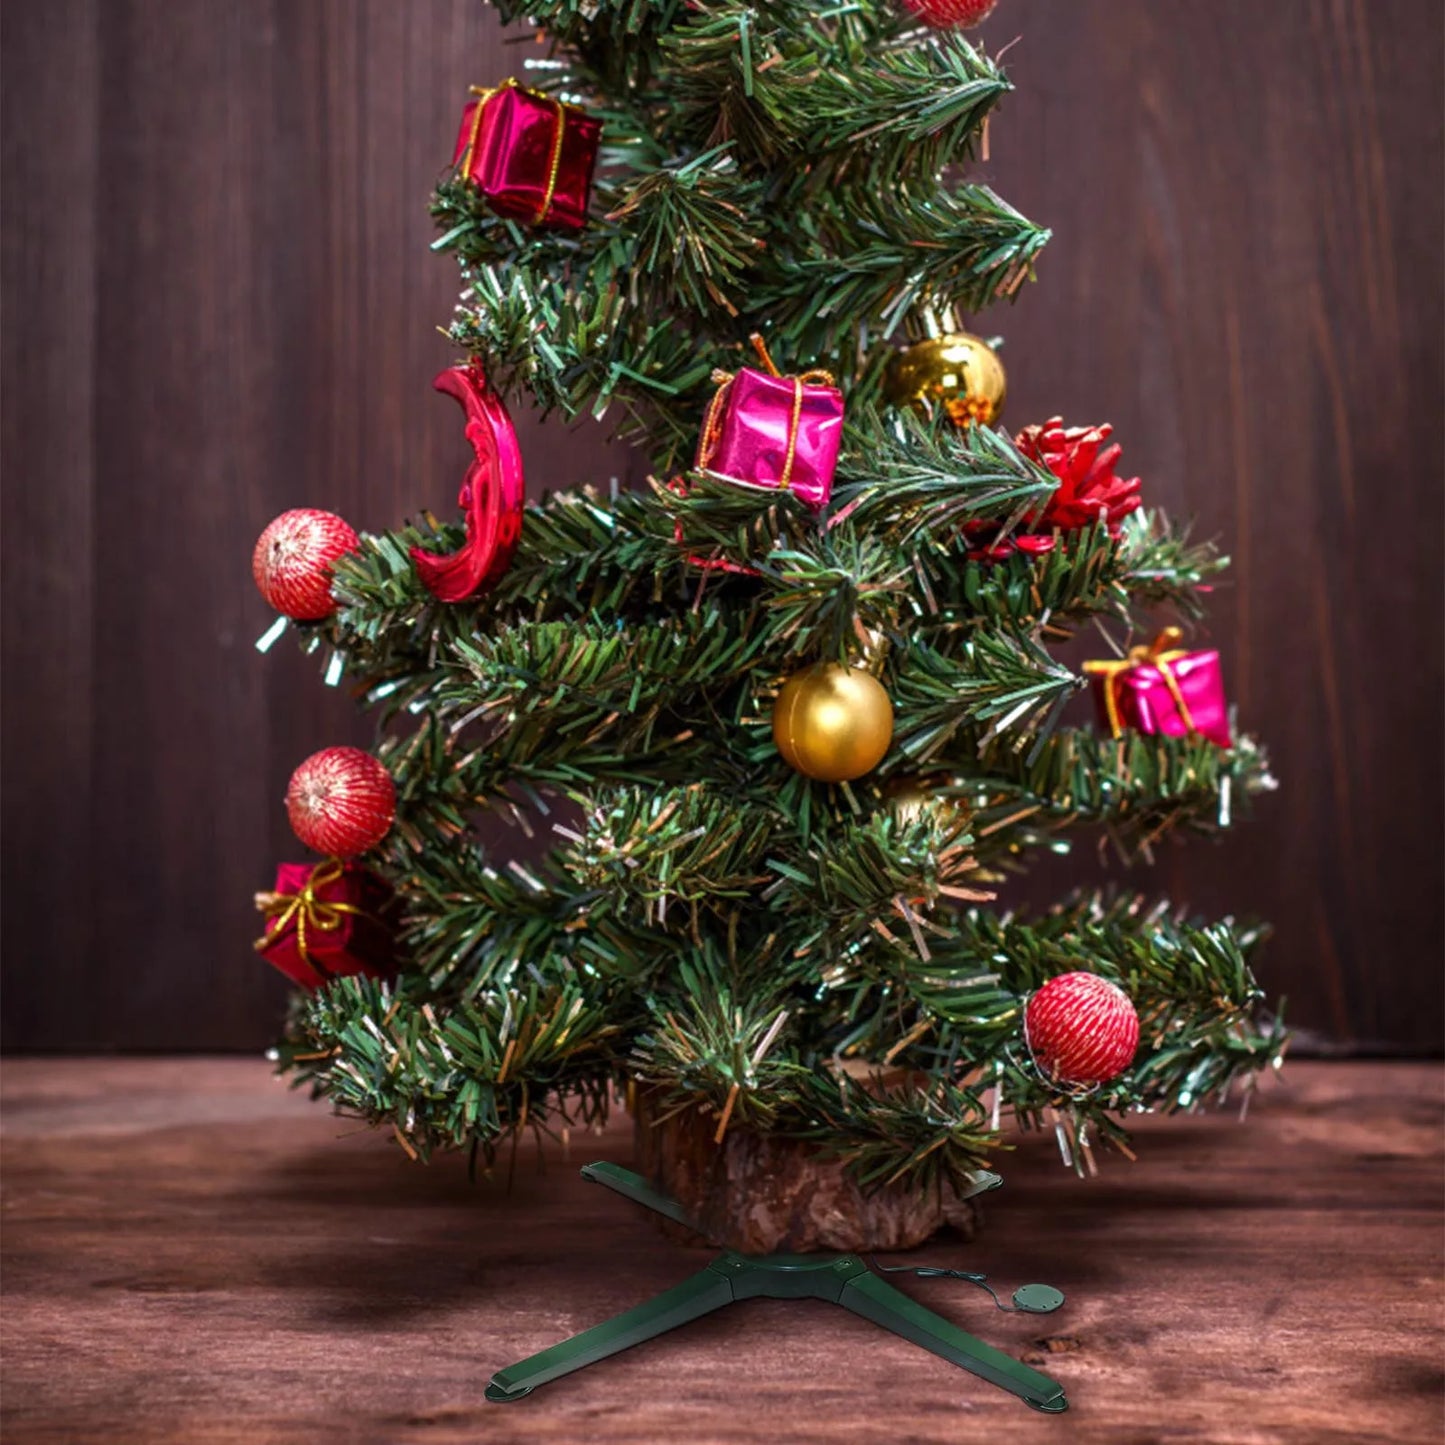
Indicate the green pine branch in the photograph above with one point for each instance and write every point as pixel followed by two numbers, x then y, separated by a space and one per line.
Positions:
pixel 908 480
pixel 540 1054
pixel 973 683
pixel 1138 787
pixel 870 261
pixel 924 1138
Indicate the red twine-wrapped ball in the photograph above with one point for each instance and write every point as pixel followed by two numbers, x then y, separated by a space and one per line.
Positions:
pixel 946 13
pixel 341 802
pixel 293 560
pixel 1081 1029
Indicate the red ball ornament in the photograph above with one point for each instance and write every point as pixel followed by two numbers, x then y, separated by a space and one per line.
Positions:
pixel 1081 1029
pixel 945 14
pixel 293 560
pixel 341 802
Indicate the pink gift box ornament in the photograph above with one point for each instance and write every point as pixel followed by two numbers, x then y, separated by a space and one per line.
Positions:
pixel 531 156
pixel 326 921
pixel 1163 688
pixel 778 432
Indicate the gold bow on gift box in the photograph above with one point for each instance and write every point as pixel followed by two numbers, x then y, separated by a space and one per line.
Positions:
pixel 309 912
pixel 1162 653
pixel 723 380
pixel 483 95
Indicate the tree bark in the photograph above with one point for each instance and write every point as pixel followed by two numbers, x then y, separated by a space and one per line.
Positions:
pixel 761 1193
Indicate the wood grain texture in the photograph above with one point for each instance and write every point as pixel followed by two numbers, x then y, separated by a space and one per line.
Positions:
pixel 47 584
pixel 219 303
pixel 192 1256
pixel 1246 279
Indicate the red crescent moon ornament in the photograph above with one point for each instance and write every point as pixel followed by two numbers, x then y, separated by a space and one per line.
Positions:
pixel 492 493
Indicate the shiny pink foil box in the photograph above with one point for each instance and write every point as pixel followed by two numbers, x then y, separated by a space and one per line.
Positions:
pixel 764 417
pixel 511 162
pixel 1146 702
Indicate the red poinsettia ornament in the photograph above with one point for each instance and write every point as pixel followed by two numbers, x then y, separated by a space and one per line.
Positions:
pixel 1089 490
pixel 946 14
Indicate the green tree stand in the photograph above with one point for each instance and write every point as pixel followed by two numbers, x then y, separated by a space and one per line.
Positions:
pixel 842 1279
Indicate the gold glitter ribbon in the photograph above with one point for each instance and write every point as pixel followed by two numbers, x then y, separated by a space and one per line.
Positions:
pixel 712 421
pixel 559 127
pixel 483 95
pixel 308 911
pixel 1162 653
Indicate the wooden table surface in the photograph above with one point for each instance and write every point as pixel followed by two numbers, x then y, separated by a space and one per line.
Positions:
pixel 193 1253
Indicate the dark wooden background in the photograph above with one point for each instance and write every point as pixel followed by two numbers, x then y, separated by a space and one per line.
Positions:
pixel 219 303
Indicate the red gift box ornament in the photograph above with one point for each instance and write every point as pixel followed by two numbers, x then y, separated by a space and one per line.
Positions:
pixel 1163 688
pixel 772 431
pixel 327 922
pixel 492 493
pixel 531 156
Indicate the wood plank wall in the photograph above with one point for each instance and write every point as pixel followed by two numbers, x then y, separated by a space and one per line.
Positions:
pixel 218 303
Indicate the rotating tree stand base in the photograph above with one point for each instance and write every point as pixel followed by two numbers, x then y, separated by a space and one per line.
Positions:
pixel 842 1279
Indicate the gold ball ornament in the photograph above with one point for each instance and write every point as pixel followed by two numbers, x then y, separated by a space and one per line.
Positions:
pixel 957 371
pixel 833 723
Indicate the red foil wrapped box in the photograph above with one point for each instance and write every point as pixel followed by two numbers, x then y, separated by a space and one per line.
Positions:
pixel 1161 688
pixel 326 921
pixel 777 432
pixel 531 156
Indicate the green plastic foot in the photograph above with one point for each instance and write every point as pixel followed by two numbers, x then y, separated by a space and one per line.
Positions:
pixel 500 1396
pixel 1056 1406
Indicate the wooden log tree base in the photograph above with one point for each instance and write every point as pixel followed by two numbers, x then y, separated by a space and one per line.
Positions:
pixel 761 1194
pixel 192 1256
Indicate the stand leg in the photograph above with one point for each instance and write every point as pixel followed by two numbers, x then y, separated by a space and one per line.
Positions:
pixel 636 1188
pixel 704 1292
pixel 876 1300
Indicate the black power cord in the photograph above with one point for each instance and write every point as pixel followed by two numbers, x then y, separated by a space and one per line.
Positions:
pixel 1033 1299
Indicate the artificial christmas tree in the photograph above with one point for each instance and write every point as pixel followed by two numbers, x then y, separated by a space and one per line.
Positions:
pixel 776 920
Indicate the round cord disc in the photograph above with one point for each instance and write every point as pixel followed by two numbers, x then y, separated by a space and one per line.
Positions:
pixel 1038 1299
